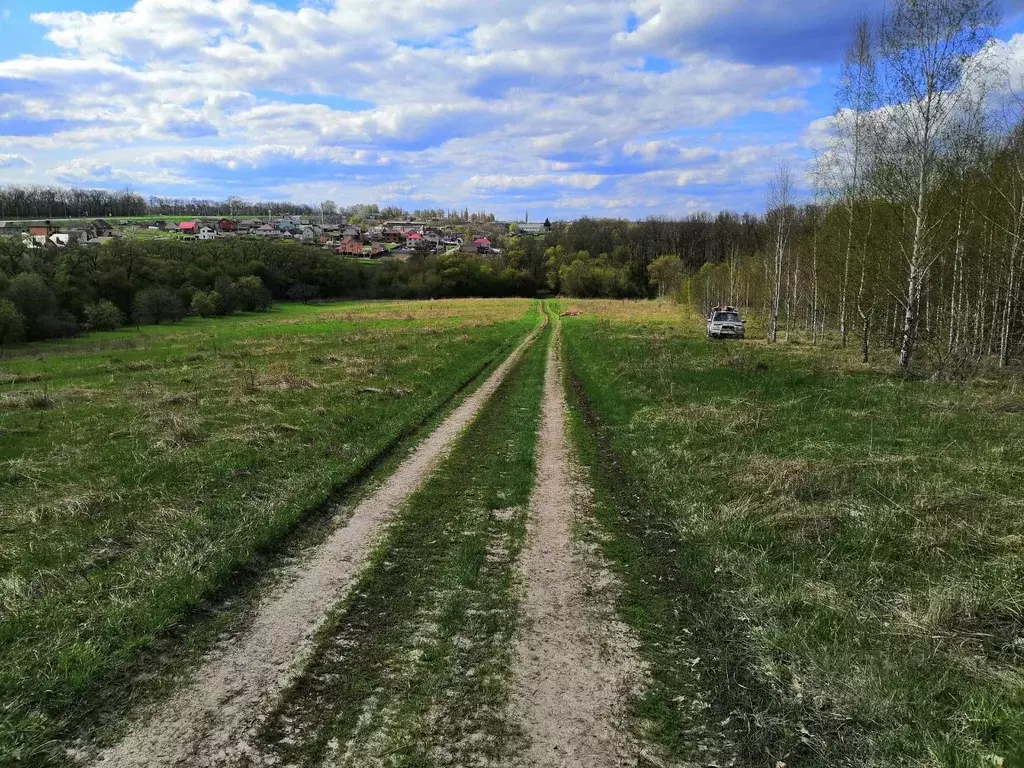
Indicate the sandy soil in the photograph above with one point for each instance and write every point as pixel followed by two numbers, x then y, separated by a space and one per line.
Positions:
pixel 576 664
pixel 211 721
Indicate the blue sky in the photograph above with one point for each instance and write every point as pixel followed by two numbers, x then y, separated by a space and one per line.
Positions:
pixel 602 107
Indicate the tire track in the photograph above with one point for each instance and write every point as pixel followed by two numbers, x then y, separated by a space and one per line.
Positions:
pixel 576 663
pixel 211 721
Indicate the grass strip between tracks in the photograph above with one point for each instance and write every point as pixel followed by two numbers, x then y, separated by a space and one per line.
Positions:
pixel 413 669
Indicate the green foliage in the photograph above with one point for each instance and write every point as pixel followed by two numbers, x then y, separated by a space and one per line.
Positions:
pixel 252 295
pixel 206 303
pixel 667 273
pixel 103 315
pixel 12 323
pixel 37 304
pixel 584 277
pixel 158 305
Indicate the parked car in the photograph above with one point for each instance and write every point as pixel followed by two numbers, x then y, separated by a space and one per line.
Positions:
pixel 726 323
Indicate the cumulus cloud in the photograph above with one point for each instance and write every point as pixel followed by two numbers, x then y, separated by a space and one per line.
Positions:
pixel 13 161
pixel 445 101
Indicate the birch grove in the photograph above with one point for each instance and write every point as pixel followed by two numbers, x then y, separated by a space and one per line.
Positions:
pixel 914 244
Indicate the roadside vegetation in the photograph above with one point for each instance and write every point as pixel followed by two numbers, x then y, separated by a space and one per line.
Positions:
pixel 413 669
pixel 141 469
pixel 822 560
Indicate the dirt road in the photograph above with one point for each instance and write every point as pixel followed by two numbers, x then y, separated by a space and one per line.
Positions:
pixel 211 720
pixel 576 666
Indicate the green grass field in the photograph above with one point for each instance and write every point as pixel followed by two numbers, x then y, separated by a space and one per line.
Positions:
pixel 823 561
pixel 140 470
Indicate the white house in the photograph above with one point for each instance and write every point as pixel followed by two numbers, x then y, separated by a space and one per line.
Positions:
pixel 207 233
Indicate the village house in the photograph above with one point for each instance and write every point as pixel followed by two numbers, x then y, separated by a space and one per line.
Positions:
pixel 531 228
pixel 41 230
pixel 350 247
pixel 227 225
pixel 207 233
pixel 101 228
pixel 188 228
pixel 310 233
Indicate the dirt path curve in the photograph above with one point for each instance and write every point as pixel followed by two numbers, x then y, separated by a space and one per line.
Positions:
pixel 210 721
pixel 576 665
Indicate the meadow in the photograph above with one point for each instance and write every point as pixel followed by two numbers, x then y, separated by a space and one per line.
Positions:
pixel 141 470
pixel 822 560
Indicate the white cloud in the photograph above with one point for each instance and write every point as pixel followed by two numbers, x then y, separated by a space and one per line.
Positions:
pixel 453 101
pixel 13 161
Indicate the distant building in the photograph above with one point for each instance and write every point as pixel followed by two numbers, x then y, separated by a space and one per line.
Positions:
pixel 41 230
pixel 532 228
pixel 207 233
pixel 188 228
pixel 101 228
pixel 350 247
pixel 227 225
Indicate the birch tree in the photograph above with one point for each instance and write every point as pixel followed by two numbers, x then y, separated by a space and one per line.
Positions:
pixel 932 69
pixel 780 193
pixel 858 94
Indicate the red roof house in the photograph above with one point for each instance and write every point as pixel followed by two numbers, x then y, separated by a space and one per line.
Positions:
pixel 188 227
pixel 227 225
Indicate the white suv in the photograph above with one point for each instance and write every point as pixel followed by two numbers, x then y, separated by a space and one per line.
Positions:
pixel 725 323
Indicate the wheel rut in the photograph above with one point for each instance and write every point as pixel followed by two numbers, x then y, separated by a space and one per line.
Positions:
pixel 576 663
pixel 212 720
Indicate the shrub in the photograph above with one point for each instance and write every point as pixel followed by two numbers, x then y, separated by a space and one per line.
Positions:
pixel 103 315
pixel 252 295
pixel 158 305
pixel 206 303
pixel 303 292
pixel 225 287
pixel 12 324
pixel 37 304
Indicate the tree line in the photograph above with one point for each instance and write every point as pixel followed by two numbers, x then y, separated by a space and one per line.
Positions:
pixel 57 292
pixel 914 238
pixel 914 241
pixel 50 202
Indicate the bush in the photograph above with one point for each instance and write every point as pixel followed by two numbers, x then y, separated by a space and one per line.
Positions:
pixel 303 292
pixel 103 315
pixel 158 305
pixel 225 287
pixel 37 304
pixel 206 303
pixel 12 324
pixel 252 295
